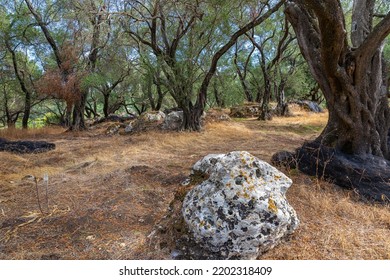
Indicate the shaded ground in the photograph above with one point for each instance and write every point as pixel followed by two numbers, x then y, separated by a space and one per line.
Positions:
pixel 105 194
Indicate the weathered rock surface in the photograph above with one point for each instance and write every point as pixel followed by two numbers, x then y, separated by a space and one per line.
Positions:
pixel 245 111
pixel 146 121
pixel 239 209
pixel 173 120
pixel 216 115
pixel 153 117
pixel 25 147
pixel 113 129
pixel 129 128
pixel 310 106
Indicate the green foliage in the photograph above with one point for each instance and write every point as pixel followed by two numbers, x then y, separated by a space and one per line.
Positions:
pixel 128 72
pixel 50 118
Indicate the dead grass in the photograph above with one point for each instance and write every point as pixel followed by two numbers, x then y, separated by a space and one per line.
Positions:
pixel 107 193
pixel 33 133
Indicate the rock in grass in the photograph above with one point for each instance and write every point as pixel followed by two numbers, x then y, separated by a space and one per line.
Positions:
pixel 240 210
pixel 146 121
pixel 173 121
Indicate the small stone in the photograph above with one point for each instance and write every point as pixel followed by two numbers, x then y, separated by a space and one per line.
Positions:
pixel 90 237
pixel 186 182
pixel 113 129
pixel 129 128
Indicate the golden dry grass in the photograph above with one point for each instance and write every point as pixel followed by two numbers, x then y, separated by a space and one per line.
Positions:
pixel 33 133
pixel 107 193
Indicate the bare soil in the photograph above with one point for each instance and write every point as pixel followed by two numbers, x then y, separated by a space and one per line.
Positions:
pixel 105 194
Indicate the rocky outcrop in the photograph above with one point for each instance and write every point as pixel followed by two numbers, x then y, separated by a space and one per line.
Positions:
pixel 146 121
pixel 217 115
pixel 309 106
pixel 245 111
pixel 238 209
pixel 113 129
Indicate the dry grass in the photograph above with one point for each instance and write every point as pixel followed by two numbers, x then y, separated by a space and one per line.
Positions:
pixel 107 193
pixel 33 133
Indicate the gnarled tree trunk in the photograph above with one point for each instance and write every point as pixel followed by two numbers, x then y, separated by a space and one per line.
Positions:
pixel 78 122
pixel 352 79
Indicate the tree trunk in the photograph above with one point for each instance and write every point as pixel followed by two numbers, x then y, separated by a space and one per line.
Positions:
pixel 11 119
pixel 218 95
pixel 67 122
pixel 248 94
pixel 242 76
pixel 147 88
pixel 265 113
pixel 192 119
pixel 160 98
pixel 23 87
pixel 27 110
pixel 11 123
pixel 315 94
pixel 78 122
pixel 351 78
pixel 106 104
pixel 259 95
pixel 281 107
pixel 46 32
pixel 160 93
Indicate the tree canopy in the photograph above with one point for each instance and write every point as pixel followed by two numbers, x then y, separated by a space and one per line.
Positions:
pixel 74 60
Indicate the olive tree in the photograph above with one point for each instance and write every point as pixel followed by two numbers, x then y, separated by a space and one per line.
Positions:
pixel 353 149
pixel 188 38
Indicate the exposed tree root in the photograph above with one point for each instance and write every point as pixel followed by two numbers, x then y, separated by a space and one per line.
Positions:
pixel 369 176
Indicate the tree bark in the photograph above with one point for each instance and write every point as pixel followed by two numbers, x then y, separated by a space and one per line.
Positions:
pixel 46 33
pixel 106 97
pixel 192 118
pixel 351 78
pixel 265 114
pixel 160 93
pixel 78 122
pixel 218 95
pixel 23 86
pixel 355 96
pixel 242 74
pixel 27 110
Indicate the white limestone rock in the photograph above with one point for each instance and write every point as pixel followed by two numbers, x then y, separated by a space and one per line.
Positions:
pixel 153 116
pixel 146 121
pixel 240 211
pixel 129 128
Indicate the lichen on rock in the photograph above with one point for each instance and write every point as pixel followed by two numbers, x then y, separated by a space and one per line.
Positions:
pixel 240 211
